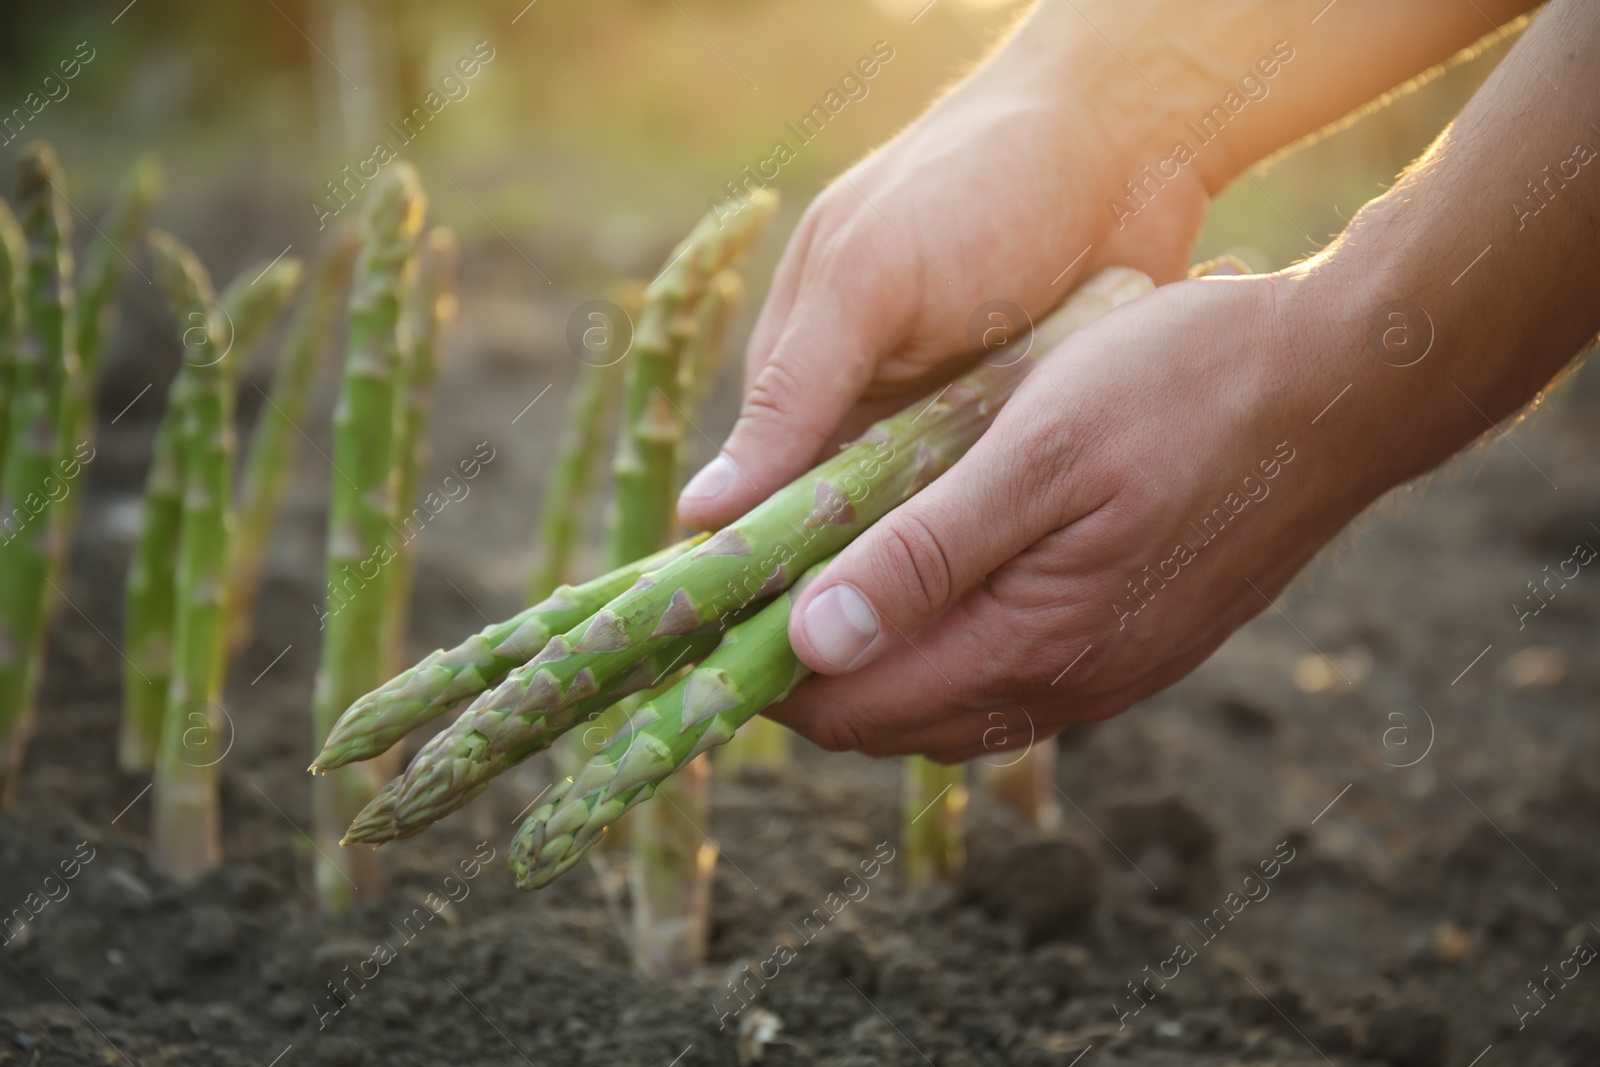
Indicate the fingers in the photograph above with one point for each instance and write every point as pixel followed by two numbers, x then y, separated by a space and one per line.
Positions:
pixel 924 555
pixel 847 310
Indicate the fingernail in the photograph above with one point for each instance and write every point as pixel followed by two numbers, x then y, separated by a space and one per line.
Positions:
pixel 840 624
pixel 711 482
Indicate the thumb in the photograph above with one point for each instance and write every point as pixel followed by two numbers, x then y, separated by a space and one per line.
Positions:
pixel 909 566
pixel 796 400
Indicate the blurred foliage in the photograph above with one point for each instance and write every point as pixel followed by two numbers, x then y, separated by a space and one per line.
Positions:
pixel 598 131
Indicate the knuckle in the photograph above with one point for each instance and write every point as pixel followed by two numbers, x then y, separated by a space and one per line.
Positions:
pixel 776 393
pixel 835 735
pixel 911 559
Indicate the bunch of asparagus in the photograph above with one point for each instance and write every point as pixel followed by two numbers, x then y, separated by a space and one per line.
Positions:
pixel 53 322
pixel 721 603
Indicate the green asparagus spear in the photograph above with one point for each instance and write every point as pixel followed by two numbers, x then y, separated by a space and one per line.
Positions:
pixel 250 303
pixel 416 804
pixel 46 365
pixel 360 536
pixel 98 280
pixel 1024 783
pixel 151 592
pixel 708 345
pixel 432 309
pixel 13 271
pixel 752 668
pixel 272 443
pixel 246 310
pixel 645 466
pixel 759 554
pixel 931 829
pixel 561 507
pixel 186 835
pixel 448 679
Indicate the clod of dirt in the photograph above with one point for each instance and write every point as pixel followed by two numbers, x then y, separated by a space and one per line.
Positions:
pixel 1047 886
pixel 1169 821
pixel 1246 719
pixel 213 936
pixel 1409 1038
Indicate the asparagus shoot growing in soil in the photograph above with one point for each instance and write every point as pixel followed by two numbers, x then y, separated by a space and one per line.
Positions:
pixel 273 441
pixel 13 274
pixel 430 311
pixel 933 843
pixel 99 278
pixel 361 541
pixel 677 348
pixel 150 595
pixel 759 554
pixel 186 834
pixel 1024 783
pixel 561 507
pixel 645 466
pixel 46 363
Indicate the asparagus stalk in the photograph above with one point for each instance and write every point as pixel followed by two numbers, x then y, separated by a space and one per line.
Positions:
pixel 273 440
pixel 645 466
pixel 758 555
pixel 250 303
pixel 13 271
pixel 98 281
pixel 932 835
pixel 751 668
pixel 186 837
pixel 360 537
pixel 150 596
pixel 708 344
pixel 410 806
pixel 1024 783
pixel 448 679
pixel 432 309
pixel 45 366
pixel 671 872
pixel 561 507
pixel 247 308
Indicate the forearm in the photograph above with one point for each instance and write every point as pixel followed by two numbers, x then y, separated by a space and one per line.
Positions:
pixel 1160 72
pixel 1481 263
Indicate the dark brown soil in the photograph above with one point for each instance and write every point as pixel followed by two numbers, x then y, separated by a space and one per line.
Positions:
pixel 1409 909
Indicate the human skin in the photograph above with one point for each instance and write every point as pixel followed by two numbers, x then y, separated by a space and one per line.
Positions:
pixel 961 609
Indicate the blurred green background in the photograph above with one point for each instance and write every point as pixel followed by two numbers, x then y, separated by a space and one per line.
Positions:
pixel 594 136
